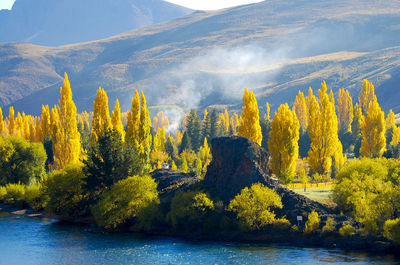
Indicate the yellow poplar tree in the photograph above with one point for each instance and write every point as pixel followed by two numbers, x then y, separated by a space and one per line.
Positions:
pixel 283 144
pixel 323 128
pixel 226 121
pixel 373 128
pixel 19 128
pixel 300 108
pixel 390 120
pixel 250 120
pixel 268 118
pixel 395 136
pixel 56 135
pixel 366 96
pixel 2 124
pixel 11 121
pixel 101 115
pixel 68 140
pixel 234 122
pixel 134 120
pixel 205 153
pixel 144 137
pixel 45 122
pixel 116 120
pixel 345 110
pixel 160 120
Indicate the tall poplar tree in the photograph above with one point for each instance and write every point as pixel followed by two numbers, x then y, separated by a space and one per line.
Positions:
pixel 11 121
pixel 323 127
pixel 133 121
pixel 390 120
pixel 45 122
pixel 300 108
pixel 366 96
pixel 250 120
pixel 116 120
pixel 345 110
pixel 101 121
pixel 373 128
pixel 144 137
pixel 2 124
pixel 67 140
pixel 283 144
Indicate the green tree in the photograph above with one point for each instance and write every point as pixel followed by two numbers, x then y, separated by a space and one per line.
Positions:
pixel 21 161
pixel 189 210
pixel 193 129
pixel 64 193
pixel 126 199
pixel 254 206
pixel 109 161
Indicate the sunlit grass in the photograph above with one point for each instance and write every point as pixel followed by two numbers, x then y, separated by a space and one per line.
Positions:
pixel 317 192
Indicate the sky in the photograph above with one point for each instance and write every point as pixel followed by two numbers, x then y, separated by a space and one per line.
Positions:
pixel 193 4
pixel 6 4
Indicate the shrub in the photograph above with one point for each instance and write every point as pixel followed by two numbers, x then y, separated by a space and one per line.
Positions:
pixel 126 199
pixel 22 161
pixel 366 189
pixel 3 192
pixel 347 230
pixel 312 223
pixel 253 206
pixel 281 224
pixel 63 191
pixel 34 196
pixel 15 194
pixel 392 230
pixel 190 209
pixel 294 228
pixel 330 225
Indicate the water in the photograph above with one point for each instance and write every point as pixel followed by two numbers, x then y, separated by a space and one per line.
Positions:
pixel 25 240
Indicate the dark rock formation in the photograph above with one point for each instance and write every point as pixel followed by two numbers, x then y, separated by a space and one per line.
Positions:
pixel 170 181
pixel 238 163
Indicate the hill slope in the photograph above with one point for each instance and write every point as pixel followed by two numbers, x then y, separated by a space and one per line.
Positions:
pixel 52 23
pixel 205 58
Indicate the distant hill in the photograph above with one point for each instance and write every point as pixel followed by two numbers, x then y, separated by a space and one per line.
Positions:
pixel 60 22
pixel 207 58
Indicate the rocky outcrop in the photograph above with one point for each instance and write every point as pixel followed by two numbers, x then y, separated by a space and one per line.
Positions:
pixel 169 181
pixel 238 163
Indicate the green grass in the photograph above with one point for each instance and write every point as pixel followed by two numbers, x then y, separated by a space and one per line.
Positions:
pixel 320 194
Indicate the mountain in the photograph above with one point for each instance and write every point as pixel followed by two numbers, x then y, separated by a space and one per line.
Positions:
pixel 60 22
pixel 207 58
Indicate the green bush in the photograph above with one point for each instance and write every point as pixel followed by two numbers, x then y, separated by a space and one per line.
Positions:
pixel 124 200
pixel 15 194
pixel 253 206
pixel 330 225
pixel 34 196
pixel 347 230
pixel 312 223
pixel 392 230
pixel 22 161
pixel 367 190
pixel 281 224
pixel 190 209
pixel 63 192
pixel 3 192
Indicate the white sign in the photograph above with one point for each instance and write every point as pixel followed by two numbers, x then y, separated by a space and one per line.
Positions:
pixel 299 218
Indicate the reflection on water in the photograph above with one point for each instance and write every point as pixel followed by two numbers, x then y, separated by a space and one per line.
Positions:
pixel 26 240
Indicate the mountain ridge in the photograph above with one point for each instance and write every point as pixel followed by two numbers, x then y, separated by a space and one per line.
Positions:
pixel 188 61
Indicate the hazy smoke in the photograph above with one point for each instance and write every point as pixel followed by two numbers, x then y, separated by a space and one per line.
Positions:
pixel 218 77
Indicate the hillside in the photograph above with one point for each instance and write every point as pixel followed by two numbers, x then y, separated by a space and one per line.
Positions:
pixel 53 23
pixel 206 58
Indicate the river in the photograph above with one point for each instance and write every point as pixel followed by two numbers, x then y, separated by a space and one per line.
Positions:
pixel 25 240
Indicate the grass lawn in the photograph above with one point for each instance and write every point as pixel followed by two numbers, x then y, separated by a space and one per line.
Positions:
pixel 319 194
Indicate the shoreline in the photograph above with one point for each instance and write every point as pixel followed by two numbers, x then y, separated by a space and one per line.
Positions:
pixel 356 243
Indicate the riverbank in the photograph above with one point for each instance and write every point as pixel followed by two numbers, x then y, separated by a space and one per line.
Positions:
pixel 285 238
